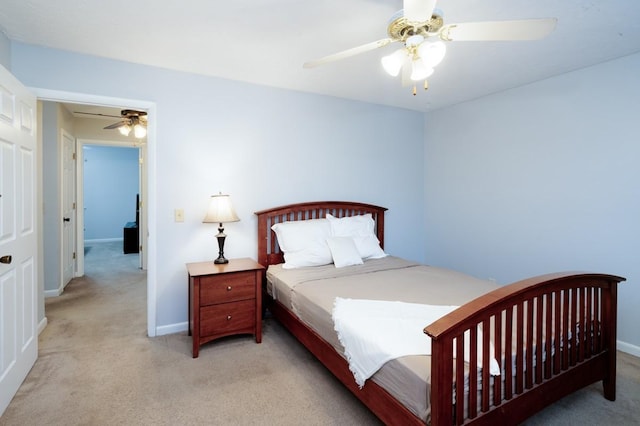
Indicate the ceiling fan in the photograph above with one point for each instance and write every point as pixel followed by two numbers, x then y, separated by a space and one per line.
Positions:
pixel 421 28
pixel 131 120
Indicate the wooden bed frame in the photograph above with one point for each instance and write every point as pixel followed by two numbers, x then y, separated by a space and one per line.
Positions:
pixel 553 310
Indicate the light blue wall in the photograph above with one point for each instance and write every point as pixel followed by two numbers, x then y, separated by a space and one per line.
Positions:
pixel 263 146
pixel 539 179
pixel 55 120
pixel 532 180
pixel 110 183
pixel 51 229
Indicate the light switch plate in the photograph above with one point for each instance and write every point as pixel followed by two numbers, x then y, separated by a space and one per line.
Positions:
pixel 179 215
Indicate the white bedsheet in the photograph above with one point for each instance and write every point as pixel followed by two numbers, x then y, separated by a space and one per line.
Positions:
pixel 374 332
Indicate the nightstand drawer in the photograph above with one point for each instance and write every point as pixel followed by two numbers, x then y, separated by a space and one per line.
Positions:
pixel 227 288
pixel 227 318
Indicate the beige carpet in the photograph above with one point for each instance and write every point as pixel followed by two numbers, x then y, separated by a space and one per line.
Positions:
pixel 97 367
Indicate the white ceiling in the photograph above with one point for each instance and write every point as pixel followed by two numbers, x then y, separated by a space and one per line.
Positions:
pixel 267 41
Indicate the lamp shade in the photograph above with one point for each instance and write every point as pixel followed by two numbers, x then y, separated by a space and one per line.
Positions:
pixel 432 53
pixel 393 63
pixel 419 71
pixel 220 210
pixel 139 131
pixel 124 130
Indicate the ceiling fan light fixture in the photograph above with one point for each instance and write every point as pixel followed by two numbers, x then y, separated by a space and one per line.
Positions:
pixel 393 63
pixel 139 131
pixel 419 71
pixel 124 130
pixel 432 53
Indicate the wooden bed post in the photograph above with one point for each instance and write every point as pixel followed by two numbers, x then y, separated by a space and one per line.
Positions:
pixel 262 242
pixel 441 381
pixel 610 304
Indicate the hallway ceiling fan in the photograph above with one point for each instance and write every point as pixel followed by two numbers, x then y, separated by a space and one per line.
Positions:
pixel 131 120
pixel 421 28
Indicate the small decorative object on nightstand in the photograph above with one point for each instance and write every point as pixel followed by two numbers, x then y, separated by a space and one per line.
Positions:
pixel 224 299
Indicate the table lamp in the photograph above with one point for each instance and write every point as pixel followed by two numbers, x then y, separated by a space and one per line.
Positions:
pixel 220 211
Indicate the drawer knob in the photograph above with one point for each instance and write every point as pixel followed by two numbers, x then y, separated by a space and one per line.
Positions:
pixel 229 288
pixel 228 317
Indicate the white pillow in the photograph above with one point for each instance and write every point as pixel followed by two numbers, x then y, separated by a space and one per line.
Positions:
pixel 304 242
pixel 361 229
pixel 344 251
pixel 361 225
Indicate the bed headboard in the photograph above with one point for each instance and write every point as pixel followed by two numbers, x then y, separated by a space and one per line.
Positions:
pixel 268 251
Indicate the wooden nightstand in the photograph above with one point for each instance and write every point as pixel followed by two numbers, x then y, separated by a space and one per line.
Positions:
pixel 224 300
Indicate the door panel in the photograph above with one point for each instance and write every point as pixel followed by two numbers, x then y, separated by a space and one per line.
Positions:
pixel 68 207
pixel 18 236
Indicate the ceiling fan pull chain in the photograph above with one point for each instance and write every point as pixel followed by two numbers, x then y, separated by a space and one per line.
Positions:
pixel 414 90
pixel 426 85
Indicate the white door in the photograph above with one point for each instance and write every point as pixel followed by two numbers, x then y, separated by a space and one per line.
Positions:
pixel 68 225
pixel 18 236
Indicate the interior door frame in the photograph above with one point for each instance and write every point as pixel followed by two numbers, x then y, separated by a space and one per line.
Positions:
pixel 150 168
pixel 80 144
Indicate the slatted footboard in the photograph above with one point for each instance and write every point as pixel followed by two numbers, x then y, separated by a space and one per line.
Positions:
pixel 550 335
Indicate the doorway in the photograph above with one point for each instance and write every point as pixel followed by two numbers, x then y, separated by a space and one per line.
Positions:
pixel 148 218
pixel 109 192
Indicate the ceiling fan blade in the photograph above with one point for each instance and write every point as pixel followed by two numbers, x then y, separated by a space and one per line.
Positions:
pixel 115 125
pixel 96 114
pixel 418 10
pixel 349 52
pixel 527 29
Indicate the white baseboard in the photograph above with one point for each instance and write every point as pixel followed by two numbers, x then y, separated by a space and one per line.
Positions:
pixel 629 348
pixel 103 240
pixel 172 328
pixel 53 293
pixel 184 326
pixel 42 325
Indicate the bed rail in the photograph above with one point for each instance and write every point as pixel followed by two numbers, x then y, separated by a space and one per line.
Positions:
pixel 550 335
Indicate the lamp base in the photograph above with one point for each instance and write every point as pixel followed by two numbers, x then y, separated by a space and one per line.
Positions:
pixel 221 237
